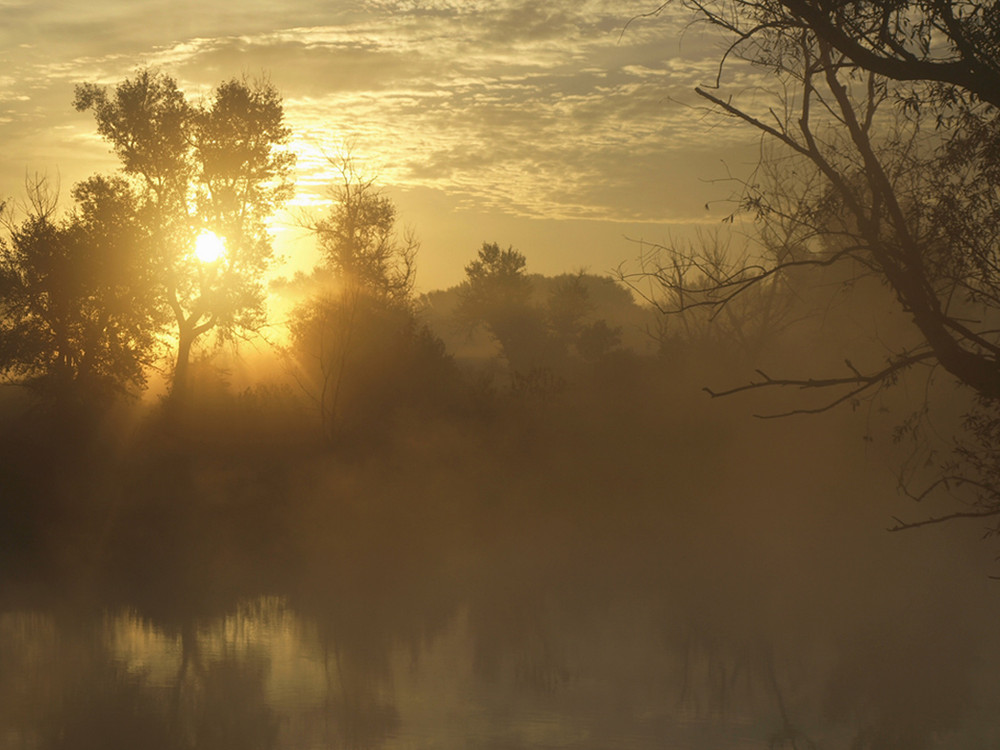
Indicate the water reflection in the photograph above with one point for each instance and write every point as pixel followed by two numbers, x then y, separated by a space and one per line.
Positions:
pixel 325 604
pixel 265 676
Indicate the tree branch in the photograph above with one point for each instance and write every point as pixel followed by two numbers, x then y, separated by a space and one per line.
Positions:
pixel 907 525
pixel 962 73
pixel 860 381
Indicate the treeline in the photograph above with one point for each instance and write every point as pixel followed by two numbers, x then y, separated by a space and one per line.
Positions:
pixel 97 299
pixel 159 266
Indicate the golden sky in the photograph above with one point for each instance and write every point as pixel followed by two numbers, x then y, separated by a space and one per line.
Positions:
pixel 552 125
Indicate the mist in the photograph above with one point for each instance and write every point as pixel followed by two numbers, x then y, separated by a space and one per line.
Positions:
pixel 741 492
pixel 605 556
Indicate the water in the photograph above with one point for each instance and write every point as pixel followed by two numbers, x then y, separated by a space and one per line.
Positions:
pixel 503 597
pixel 561 660
pixel 265 676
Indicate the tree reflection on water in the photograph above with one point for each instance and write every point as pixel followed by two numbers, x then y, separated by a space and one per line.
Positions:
pixel 533 585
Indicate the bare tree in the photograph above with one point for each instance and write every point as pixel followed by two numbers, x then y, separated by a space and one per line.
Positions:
pixel 712 290
pixel 883 129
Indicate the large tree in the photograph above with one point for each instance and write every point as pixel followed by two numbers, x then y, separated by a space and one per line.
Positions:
pixel 884 132
pixel 217 169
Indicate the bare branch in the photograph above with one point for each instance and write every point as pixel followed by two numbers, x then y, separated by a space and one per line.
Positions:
pixel 859 382
pixel 906 525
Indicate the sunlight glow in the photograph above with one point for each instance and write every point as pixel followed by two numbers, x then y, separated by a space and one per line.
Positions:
pixel 209 247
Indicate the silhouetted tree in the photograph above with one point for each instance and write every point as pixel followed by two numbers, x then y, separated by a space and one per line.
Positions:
pixel 360 241
pixel 909 208
pixel 952 45
pixel 496 278
pixel 543 326
pixel 497 295
pixel 76 324
pixel 218 167
pixel 884 124
pixel 366 363
pixel 363 354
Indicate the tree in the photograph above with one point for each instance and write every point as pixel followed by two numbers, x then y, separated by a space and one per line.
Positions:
pixel 567 307
pixel 75 322
pixel 362 352
pixel 218 167
pixel 359 239
pixel 544 326
pixel 884 129
pixel 495 278
pixel 497 294
pixel 366 364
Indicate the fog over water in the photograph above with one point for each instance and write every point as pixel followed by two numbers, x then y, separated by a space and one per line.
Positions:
pixel 625 563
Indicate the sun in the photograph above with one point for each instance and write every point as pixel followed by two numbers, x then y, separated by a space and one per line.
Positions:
pixel 209 247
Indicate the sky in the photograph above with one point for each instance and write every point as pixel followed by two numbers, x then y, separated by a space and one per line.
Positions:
pixel 569 130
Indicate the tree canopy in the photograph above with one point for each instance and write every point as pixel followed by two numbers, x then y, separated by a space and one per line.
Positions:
pixel 219 166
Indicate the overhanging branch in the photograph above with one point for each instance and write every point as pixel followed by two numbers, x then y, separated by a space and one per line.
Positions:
pixel 857 382
pixel 907 525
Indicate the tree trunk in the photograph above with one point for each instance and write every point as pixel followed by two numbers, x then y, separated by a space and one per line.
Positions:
pixel 179 384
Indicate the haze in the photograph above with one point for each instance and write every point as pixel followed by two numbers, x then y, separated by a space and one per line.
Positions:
pixel 499 375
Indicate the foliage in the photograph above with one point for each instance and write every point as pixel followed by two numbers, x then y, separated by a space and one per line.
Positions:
pixel 75 322
pixel 496 278
pixel 566 308
pixel 359 239
pixel 366 363
pixel 597 340
pixel 218 166
pixel 497 295
pixel 540 323
pixel 364 358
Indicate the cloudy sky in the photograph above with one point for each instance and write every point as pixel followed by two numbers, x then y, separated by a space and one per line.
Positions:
pixel 555 126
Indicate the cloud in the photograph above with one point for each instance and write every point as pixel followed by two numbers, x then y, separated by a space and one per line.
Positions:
pixel 552 109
